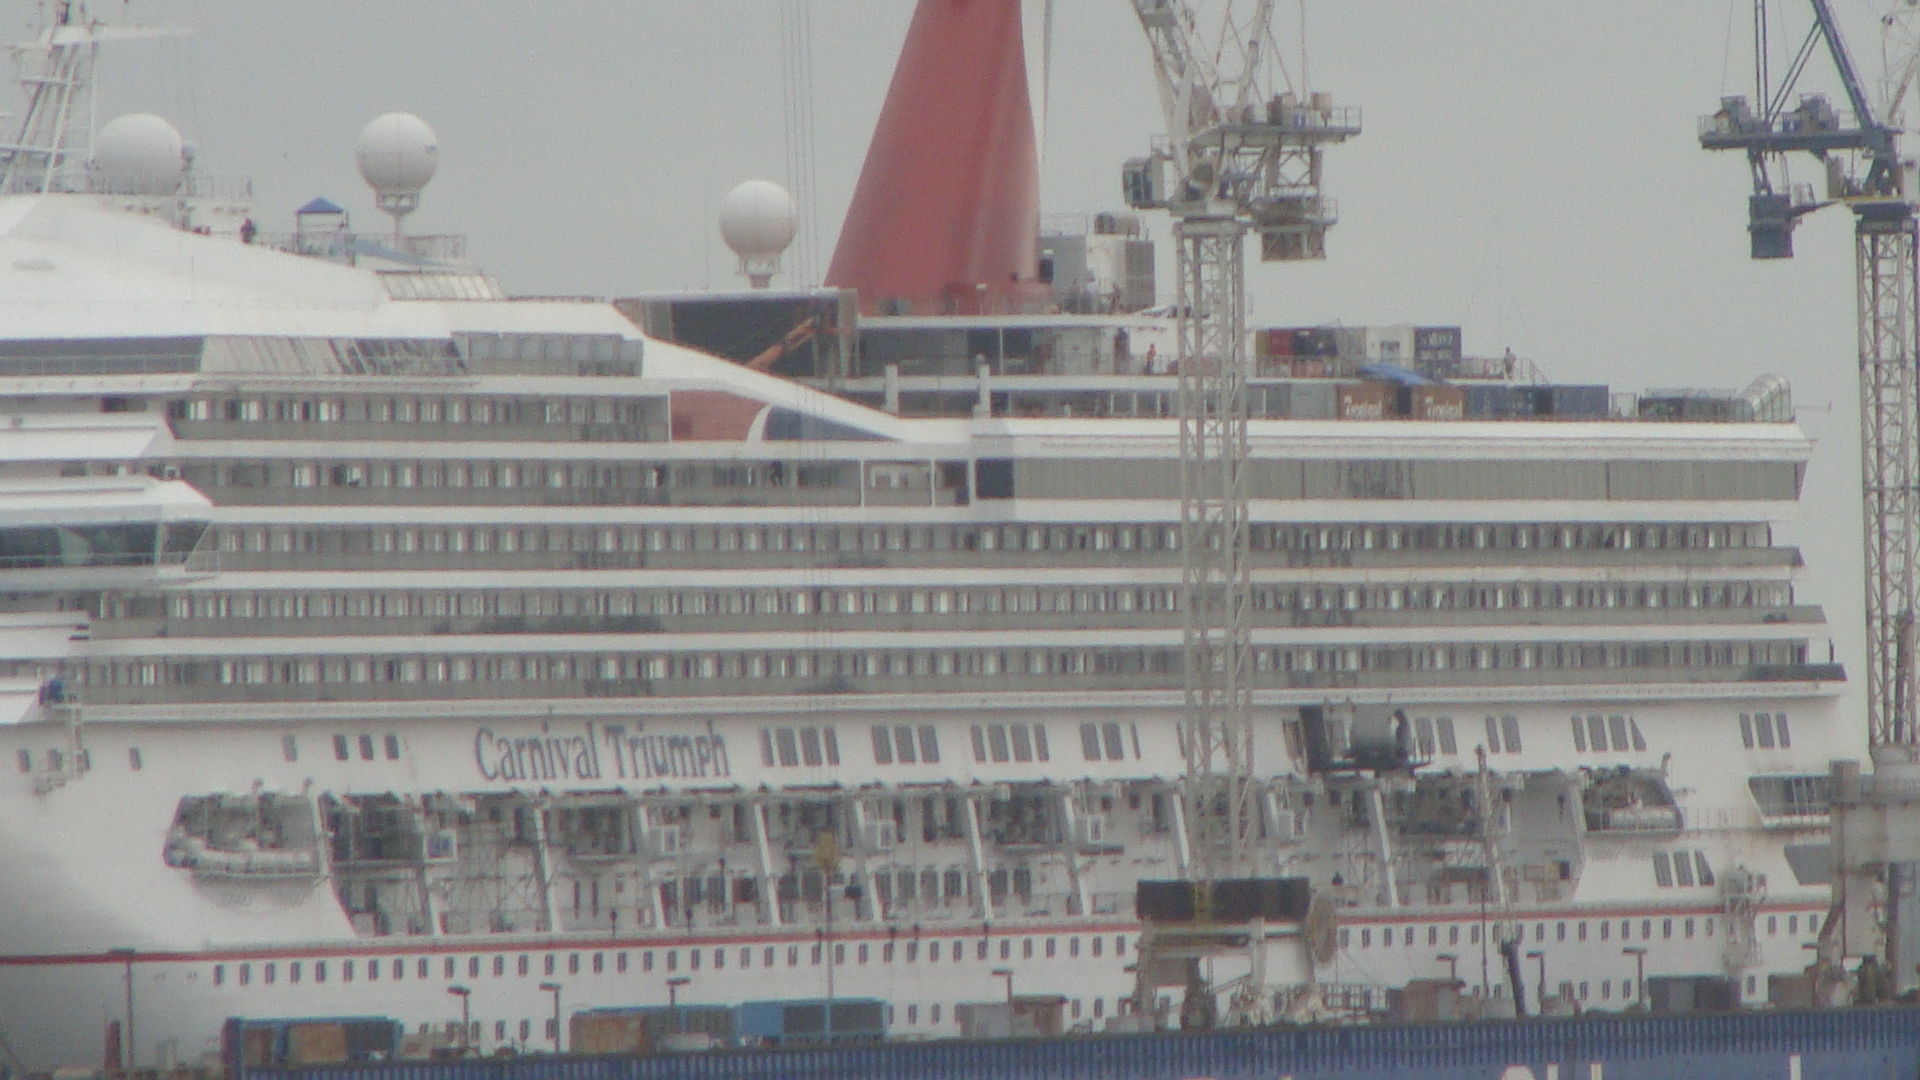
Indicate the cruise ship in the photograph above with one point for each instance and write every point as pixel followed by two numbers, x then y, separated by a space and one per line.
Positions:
pixel 379 644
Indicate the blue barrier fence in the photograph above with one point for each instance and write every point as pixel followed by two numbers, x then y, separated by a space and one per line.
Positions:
pixel 1868 1044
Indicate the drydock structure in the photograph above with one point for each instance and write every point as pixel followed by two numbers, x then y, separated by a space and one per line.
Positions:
pixel 372 634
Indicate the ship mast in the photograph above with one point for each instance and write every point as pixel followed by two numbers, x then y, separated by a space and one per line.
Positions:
pixel 56 73
pixel 50 150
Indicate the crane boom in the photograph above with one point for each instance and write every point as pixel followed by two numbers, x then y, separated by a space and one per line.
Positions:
pixel 1843 63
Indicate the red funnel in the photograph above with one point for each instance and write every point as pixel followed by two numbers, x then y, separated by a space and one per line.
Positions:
pixel 946 216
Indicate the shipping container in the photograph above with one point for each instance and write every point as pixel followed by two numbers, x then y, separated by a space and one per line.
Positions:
pixel 1579 402
pixel 1498 402
pixel 305 1041
pixel 316 1044
pixel 1390 344
pixel 1273 401
pixel 1796 991
pixel 1350 342
pixel 1425 1000
pixel 1029 1016
pixel 609 1031
pixel 1435 402
pixel 1309 368
pixel 812 1021
pixel 1315 341
pixel 1313 401
pixel 1366 400
pixel 1683 994
pixel 1436 342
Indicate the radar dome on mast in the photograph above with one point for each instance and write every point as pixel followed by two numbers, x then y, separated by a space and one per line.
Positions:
pixel 140 154
pixel 397 155
pixel 758 220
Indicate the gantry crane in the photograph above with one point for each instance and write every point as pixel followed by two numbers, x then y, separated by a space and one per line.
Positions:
pixel 1862 170
pixel 1241 155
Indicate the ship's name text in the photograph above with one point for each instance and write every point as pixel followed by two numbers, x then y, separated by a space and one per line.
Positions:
pixel 632 753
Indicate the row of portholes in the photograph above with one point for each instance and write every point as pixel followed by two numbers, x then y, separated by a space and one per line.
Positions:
pixel 269 973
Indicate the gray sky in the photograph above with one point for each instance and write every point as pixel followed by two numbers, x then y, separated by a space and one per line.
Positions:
pixel 1529 170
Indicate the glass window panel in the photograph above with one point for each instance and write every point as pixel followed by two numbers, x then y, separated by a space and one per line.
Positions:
pixel 1089 742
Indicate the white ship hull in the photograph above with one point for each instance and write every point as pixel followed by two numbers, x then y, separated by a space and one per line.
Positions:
pixel 88 883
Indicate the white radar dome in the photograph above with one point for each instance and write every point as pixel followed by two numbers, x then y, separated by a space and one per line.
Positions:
pixel 140 154
pixel 758 220
pixel 397 154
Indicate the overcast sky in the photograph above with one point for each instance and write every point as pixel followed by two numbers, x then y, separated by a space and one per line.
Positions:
pixel 1528 170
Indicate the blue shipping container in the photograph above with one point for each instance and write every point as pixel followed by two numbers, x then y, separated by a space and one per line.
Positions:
pixel 1497 402
pixel 1580 402
pixel 789 1023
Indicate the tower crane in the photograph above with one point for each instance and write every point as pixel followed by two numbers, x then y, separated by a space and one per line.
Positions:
pixel 1238 156
pixel 1876 839
pixel 1241 154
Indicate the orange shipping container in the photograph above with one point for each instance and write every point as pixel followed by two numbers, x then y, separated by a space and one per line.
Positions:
pixel 316 1044
pixel 610 1033
pixel 1438 403
pixel 1365 400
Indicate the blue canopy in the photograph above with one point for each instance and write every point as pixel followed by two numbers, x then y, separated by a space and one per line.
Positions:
pixel 321 205
pixel 1396 374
